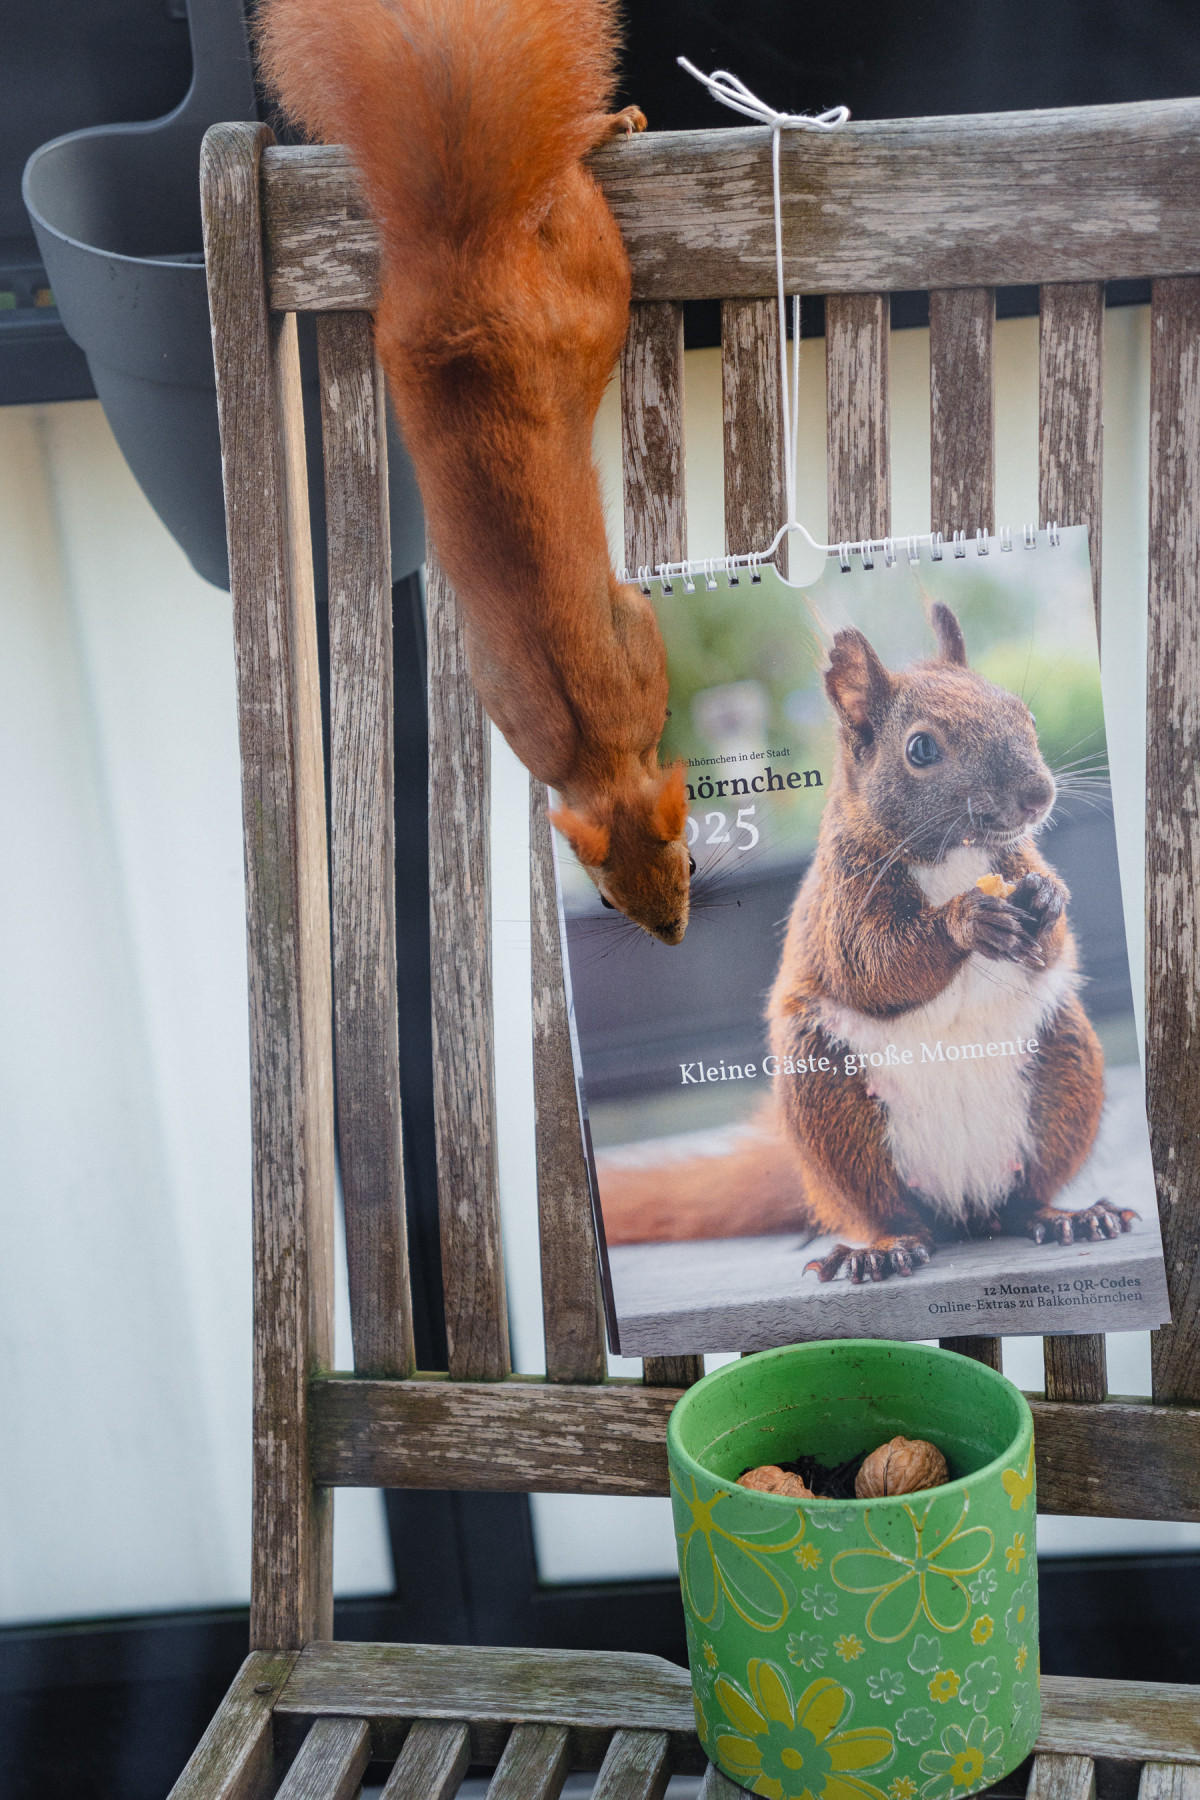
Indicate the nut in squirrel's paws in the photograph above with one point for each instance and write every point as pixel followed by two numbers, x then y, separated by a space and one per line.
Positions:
pixel 891 1256
pixel 903 1466
pixel 996 886
pixel 1103 1220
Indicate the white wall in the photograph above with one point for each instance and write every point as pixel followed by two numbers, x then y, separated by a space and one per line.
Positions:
pixel 124 1108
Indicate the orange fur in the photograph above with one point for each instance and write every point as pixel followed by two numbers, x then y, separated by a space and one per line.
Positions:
pixel 589 841
pixel 503 305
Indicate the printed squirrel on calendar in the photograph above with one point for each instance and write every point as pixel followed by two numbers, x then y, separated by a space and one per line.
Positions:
pixel 889 1083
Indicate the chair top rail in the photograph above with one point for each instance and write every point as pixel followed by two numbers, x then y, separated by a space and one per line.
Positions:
pixel 1085 193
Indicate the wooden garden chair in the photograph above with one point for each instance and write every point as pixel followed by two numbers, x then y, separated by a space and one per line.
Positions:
pixel 954 206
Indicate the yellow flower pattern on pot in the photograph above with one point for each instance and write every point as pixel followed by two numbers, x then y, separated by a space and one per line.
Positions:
pixel 1014 1556
pixel 723 1561
pixel 944 1685
pixel 967 1760
pixel 788 1749
pixel 982 1629
pixel 917 1565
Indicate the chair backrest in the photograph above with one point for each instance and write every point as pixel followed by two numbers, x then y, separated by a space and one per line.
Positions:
pixel 953 206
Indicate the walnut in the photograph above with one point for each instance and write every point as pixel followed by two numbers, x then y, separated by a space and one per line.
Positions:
pixel 996 886
pixel 769 1478
pixel 903 1466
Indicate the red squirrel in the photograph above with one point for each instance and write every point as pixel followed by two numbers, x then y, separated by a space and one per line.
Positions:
pixel 503 305
pixel 893 943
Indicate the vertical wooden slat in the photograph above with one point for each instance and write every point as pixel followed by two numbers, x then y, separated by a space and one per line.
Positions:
pixel 1070 337
pixel 235 1758
pixel 755 501
pixel 859 416
pixel 533 1765
pixel 1076 1367
pixel 1173 821
pixel 362 848
pixel 1070 424
pixel 330 1763
pixel 1062 1778
pixel 460 922
pixel 636 1766
pixel 283 797
pixel 1169 1781
pixel 672 1371
pixel 572 1310
pixel 962 409
pixel 434 1758
pixel 655 525
pixel 979 1349
pixel 716 1786
pixel 652 435
pixel 962 481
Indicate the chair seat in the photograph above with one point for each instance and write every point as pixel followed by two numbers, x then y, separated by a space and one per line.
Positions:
pixel 433 1710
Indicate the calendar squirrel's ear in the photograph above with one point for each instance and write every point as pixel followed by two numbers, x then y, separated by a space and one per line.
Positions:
pixel 588 840
pixel 670 809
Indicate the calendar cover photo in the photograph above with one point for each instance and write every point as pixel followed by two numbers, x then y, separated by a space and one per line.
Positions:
pixel 889 1084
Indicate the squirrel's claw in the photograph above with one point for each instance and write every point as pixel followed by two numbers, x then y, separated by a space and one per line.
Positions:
pixel 1096 1222
pixel 894 1256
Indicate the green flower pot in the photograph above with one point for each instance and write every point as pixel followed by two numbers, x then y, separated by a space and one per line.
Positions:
pixel 862 1649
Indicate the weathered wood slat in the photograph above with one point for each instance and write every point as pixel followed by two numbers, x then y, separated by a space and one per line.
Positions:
pixel 1169 1781
pixel 287 894
pixel 858 414
pixel 572 1311
pixel 362 846
pixel 636 1767
pixel 1173 822
pixel 330 1762
pixel 432 1762
pixel 716 1786
pixel 460 926
pixel 235 1758
pixel 1084 193
pixel 755 500
pixel 652 436
pixel 672 1371
pixel 979 1349
pixel 524 1435
pixel 596 1690
pixel 593 1693
pixel 1076 1367
pixel 1070 383
pixel 534 1765
pixel 1062 1778
pixel 962 409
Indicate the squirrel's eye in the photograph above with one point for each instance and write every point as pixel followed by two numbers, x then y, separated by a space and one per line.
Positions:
pixel 605 901
pixel 691 865
pixel 921 750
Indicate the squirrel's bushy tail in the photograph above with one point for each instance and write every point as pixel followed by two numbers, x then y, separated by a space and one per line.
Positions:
pixel 460 114
pixel 750 1186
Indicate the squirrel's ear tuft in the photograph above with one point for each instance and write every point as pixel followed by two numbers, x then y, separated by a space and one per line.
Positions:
pixel 857 683
pixel 670 809
pixel 948 632
pixel 588 840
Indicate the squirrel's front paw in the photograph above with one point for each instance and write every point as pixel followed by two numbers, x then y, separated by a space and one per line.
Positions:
pixel 1041 900
pixel 987 924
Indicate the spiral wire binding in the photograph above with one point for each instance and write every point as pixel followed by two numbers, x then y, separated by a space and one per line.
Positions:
pixel 734 93
pixel 734 567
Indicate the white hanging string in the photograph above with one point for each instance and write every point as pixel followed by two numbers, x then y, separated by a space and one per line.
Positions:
pixel 734 93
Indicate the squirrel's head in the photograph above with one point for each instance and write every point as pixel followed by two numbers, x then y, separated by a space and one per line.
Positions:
pixel 936 755
pixel 631 844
